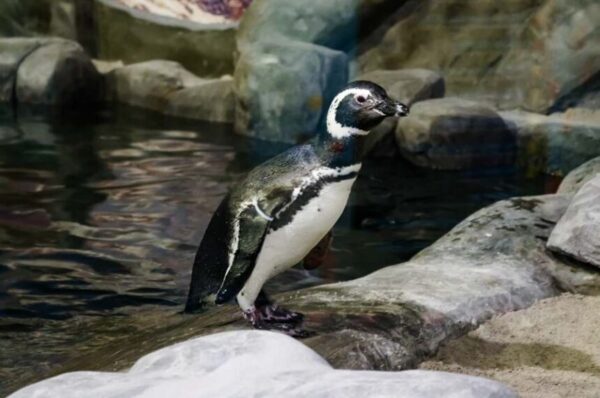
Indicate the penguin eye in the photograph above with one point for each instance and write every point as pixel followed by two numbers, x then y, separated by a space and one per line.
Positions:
pixel 360 99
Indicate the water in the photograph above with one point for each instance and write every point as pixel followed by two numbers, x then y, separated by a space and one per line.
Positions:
pixel 100 218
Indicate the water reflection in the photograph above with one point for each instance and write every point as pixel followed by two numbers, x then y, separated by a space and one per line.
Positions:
pixel 100 218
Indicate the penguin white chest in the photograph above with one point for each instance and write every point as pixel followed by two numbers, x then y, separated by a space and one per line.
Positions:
pixel 288 245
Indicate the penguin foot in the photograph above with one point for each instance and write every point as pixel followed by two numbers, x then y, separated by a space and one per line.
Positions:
pixel 259 321
pixel 275 314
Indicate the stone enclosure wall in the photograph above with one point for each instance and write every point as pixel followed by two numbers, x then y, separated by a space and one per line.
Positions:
pixel 512 83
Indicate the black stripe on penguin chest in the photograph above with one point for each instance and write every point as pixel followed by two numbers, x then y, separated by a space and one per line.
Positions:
pixel 286 216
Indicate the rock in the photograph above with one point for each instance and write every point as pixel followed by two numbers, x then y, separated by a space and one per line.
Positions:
pixel 58 72
pixel 180 9
pixel 63 19
pixel 577 234
pixel 455 134
pixel 527 54
pixel 579 177
pixel 407 86
pixel 338 24
pixel 12 53
pixel 46 72
pixel 205 49
pixel 553 144
pixel 326 23
pixel 586 96
pixel 165 86
pixel 224 365
pixel 548 350
pixel 24 17
pixel 282 88
pixel 105 67
pixel 295 43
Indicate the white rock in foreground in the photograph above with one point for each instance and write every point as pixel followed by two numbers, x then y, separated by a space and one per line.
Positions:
pixel 256 364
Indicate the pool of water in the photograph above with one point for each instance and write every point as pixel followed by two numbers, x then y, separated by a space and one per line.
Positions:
pixel 100 217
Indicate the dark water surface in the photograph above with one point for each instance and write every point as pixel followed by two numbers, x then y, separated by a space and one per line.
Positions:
pixel 100 218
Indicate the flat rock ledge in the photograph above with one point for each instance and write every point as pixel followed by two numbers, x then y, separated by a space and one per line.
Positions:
pixel 257 364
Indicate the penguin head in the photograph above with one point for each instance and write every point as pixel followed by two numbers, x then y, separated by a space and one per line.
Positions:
pixel 360 107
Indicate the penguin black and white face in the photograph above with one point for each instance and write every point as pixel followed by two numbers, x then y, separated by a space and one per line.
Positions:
pixel 360 107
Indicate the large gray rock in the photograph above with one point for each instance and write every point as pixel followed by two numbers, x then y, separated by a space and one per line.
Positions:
pixel 454 134
pixel 165 86
pixel 407 86
pixel 577 234
pixel 47 72
pixel 548 350
pixel 525 54
pixel 579 177
pixel 336 24
pixel 225 365
pixel 554 144
pixel 294 42
pixel 205 49
pixel 283 87
pixel 58 72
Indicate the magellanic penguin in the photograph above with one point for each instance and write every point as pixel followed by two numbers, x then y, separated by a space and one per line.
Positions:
pixel 272 219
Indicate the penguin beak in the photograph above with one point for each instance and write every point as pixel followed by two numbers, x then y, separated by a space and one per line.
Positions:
pixel 401 109
pixel 390 107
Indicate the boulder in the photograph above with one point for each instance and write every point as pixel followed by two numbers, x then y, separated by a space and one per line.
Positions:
pixel 224 365
pixel 166 87
pixel 63 19
pixel 337 24
pixel 206 49
pixel 12 53
pixel 46 72
pixel 407 86
pixel 553 144
pixel 577 234
pixel 58 72
pixel 282 88
pixel 24 17
pixel 455 134
pixel 548 350
pixel 298 43
pixel 579 177
pixel 526 54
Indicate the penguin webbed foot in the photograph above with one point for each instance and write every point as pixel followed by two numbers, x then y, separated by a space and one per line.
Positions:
pixel 271 317
pixel 275 314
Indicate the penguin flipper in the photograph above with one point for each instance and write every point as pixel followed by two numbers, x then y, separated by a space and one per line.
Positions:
pixel 253 227
pixel 211 259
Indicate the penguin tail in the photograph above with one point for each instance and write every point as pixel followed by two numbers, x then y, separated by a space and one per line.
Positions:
pixel 198 302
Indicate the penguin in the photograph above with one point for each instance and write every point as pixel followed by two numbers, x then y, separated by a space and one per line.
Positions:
pixel 283 208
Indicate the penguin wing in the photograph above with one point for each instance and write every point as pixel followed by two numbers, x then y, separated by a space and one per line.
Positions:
pixel 249 231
